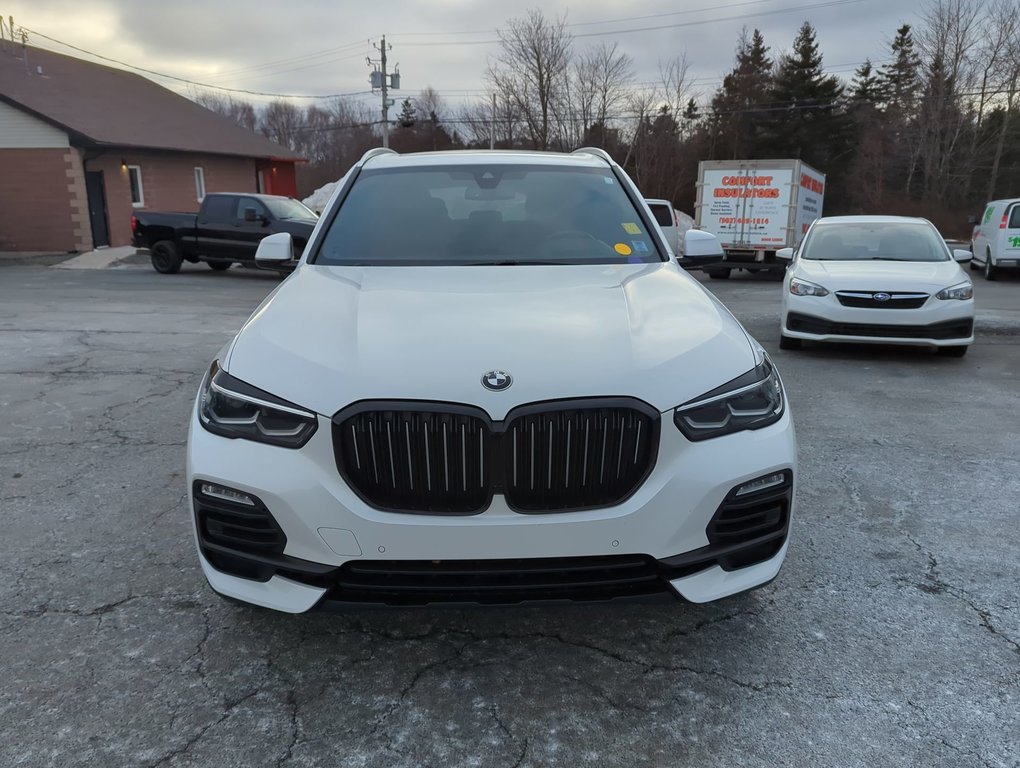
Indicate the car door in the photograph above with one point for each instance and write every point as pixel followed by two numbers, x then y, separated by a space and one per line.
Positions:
pixel 215 226
pixel 249 228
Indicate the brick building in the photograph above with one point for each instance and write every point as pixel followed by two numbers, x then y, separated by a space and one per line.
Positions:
pixel 83 146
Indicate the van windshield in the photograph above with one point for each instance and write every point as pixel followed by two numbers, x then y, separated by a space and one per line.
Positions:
pixel 882 241
pixel 495 214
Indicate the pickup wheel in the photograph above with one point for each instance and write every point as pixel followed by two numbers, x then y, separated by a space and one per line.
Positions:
pixel 220 266
pixel 165 257
pixel 718 274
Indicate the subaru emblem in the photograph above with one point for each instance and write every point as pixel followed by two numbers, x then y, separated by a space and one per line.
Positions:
pixel 881 296
pixel 497 381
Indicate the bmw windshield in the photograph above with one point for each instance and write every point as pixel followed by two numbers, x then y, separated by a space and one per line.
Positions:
pixel 494 214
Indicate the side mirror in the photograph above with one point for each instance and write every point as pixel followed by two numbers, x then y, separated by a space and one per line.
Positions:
pixel 785 254
pixel 962 256
pixel 702 245
pixel 275 249
pixel 250 214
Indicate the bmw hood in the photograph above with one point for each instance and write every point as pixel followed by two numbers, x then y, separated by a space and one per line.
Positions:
pixel 929 276
pixel 330 336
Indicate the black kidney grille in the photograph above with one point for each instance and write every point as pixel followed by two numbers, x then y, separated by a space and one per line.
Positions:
pixel 435 458
pixel 577 458
pixel 415 461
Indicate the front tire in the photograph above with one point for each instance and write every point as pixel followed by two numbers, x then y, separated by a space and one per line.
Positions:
pixel 165 257
pixel 990 271
pixel 788 342
pixel 954 351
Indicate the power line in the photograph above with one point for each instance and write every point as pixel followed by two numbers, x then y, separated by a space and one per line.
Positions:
pixel 677 25
pixel 187 80
pixel 293 59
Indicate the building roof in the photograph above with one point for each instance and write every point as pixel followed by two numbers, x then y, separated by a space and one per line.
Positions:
pixel 112 107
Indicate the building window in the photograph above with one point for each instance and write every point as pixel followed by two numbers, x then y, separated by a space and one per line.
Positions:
pixel 135 179
pixel 199 183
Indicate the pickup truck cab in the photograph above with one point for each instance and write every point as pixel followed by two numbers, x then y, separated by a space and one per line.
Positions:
pixel 227 229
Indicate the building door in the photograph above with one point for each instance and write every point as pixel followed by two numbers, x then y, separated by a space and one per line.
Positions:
pixel 96 190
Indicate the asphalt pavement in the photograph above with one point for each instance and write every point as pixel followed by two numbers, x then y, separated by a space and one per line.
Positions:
pixel 890 638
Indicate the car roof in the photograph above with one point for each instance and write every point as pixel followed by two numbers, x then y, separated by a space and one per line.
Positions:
pixel 475 156
pixel 872 220
pixel 256 195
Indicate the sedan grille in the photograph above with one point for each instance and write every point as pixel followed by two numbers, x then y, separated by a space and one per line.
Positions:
pixel 949 329
pixel 881 300
pixel 437 458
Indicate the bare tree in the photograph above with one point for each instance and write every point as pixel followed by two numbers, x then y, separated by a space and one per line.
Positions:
pixel 601 79
pixel 530 71
pixel 240 111
pixel 282 122
pixel 1003 17
pixel 948 42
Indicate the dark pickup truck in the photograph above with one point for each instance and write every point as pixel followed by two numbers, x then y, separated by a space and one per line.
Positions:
pixel 227 229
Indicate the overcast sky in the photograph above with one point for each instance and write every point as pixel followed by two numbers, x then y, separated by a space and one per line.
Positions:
pixel 319 46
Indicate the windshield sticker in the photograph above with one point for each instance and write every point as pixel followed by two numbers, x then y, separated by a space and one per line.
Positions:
pixel 640 246
pixel 631 228
pixel 607 180
pixel 623 249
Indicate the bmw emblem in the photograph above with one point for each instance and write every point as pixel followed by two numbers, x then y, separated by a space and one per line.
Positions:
pixel 497 381
pixel 881 296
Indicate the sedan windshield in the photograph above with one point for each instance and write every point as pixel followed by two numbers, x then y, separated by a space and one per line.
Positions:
pixel 494 214
pixel 884 241
pixel 285 208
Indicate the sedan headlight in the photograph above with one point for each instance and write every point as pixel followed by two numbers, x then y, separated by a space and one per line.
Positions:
pixel 230 408
pixel 961 292
pixel 751 401
pixel 800 287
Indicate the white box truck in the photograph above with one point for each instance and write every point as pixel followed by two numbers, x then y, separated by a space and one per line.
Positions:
pixel 756 207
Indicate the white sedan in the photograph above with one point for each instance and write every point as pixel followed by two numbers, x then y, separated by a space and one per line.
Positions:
pixel 877 279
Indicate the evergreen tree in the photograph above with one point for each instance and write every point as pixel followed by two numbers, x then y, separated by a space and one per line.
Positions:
pixel 900 80
pixel 866 88
pixel 408 114
pixel 806 120
pixel 734 118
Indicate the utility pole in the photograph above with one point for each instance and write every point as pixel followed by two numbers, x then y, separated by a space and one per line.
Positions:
pixel 384 82
pixel 492 129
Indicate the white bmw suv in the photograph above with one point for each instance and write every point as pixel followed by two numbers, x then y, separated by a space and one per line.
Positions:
pixel 488 381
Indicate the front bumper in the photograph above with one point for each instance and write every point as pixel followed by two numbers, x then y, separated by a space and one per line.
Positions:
pixel 937 323
pixel 326 526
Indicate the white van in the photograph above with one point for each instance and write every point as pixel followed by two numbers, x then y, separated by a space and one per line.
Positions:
pixel 996 240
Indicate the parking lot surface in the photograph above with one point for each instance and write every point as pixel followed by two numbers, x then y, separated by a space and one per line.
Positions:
pixel 891 637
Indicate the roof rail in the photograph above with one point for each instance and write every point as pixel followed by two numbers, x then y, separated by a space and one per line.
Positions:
pixel 375 152
pixel 596 152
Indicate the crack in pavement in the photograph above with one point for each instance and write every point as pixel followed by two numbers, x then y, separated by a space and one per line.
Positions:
pixel 941 586
pixel 229 707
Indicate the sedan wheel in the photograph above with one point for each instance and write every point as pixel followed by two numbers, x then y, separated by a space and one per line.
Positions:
pixel 954 351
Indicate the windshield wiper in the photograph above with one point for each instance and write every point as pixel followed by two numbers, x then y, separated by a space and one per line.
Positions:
pixel 510 263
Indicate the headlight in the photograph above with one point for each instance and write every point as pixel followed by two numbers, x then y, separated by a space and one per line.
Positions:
pixel 962 292
pixel 751 401
pixel 800 287
pixel 231 408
